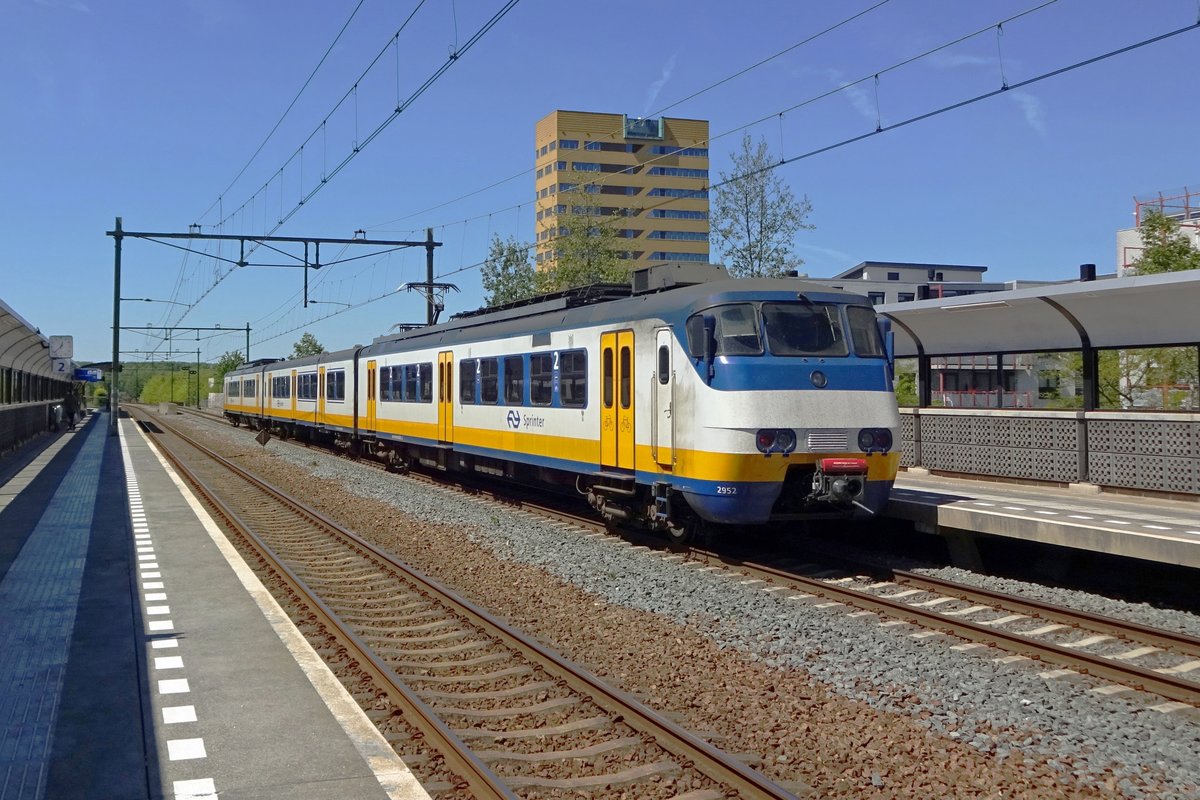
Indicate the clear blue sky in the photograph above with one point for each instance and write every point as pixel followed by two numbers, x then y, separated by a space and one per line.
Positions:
pixel 148 110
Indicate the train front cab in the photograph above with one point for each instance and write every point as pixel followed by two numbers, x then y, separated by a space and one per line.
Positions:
pixel 788 424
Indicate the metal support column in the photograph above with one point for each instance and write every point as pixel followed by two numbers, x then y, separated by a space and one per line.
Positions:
pixel 430 314
pixel 113 381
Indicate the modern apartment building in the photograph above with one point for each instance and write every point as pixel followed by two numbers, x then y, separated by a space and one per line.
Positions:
pixel 653 173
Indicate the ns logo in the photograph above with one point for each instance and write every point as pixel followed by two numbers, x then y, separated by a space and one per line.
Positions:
pixel 514 419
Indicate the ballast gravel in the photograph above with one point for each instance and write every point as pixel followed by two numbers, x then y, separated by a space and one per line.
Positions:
pixel 824 702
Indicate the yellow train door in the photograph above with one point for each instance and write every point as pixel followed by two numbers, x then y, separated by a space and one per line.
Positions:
pixel 293 398
pixel 371 395
pixel 445 395
pixel 320 420
pixel 616 400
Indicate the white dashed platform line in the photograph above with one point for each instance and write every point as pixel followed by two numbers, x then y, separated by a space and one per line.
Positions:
pixel 173 715
pixel 177 749
pixel 202 789
pixel 185 749
pixel 174 686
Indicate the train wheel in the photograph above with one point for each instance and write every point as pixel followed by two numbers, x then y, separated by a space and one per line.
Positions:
pixel 682 532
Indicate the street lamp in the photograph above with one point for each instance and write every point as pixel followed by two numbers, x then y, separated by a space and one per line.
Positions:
pixel 330 303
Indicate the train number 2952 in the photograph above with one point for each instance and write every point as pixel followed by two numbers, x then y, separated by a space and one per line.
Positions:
pixel 726 490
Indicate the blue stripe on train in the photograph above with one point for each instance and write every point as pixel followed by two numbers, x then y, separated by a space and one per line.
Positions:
pixel 768 372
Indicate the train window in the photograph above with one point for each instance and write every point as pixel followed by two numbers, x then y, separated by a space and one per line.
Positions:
pixel 385 385
pixel 234 388
pixel 664 364
pixel 607 377
pixel 466 381
pixel 335 384
pixel 409 380
pixel 541 379
pixel 489 380
pixel 864 332
pixel 306 386
pixel 514 380
pixel 281 387
pixel 249 389
pixel 425 381
pixel 736 331
pixel 804 329
pixel 572 378
pixel 626 378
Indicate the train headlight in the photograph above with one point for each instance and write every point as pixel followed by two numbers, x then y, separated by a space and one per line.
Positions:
pixel 818 379
pixel 875 439
pixel 775 440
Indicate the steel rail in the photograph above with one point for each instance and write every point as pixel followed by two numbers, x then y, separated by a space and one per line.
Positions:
pixel 711 761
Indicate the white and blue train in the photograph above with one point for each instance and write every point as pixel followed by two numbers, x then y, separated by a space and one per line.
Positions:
pixel 674 404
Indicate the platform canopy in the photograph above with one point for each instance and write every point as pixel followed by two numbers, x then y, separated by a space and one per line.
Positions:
pixel 22 346
pixel 1129 312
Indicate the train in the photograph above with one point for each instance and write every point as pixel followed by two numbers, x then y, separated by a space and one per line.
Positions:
pixel 681 402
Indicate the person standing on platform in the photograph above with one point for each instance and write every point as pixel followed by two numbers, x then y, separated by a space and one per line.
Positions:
pixel 70 407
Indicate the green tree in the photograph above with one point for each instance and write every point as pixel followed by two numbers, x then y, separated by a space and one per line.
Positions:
pixel 755 216
pixel 307 346
pixel 1166 247
pixel 229 361
pixel 507 274
pixel 588 246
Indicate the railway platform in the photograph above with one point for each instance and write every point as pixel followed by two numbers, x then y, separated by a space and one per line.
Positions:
pixel 1150 528
pixel 141 658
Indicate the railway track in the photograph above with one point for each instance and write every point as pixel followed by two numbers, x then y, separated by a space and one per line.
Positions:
pixel 1102 647
pixel 510 717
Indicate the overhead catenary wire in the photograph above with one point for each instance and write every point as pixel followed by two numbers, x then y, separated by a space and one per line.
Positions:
pixel 739 128
pixel 807 40
pixel 854 139
pixel 286 111
pixel 361 145
pixel 455 54
pixel 911 120
pixel 880 128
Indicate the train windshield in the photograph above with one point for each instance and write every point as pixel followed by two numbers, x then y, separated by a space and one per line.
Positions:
pixel 788 329
pixel 804 329
pixel 736 331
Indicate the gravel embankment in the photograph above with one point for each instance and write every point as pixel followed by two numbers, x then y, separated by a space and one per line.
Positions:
pixel 840 703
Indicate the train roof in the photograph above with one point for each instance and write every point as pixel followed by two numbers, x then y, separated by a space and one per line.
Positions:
pixel 582 307
pixel 599 304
